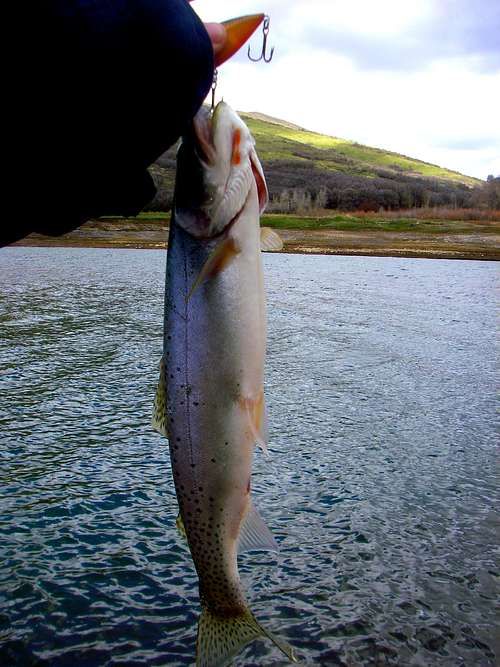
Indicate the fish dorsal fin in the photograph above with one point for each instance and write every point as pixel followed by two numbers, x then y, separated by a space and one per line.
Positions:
pixel 159 421
pixel 254 534
pixel 270 241
pixel 218 260
pixel 179 524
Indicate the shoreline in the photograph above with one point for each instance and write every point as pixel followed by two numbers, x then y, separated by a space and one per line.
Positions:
pixel 367 243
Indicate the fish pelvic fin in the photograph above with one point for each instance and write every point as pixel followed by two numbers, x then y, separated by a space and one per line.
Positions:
pixel 255 410
pixel 220 638
pixel 159 421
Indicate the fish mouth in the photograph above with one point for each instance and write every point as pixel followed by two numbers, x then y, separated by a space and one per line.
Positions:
pixel 204 127
pixel 203 131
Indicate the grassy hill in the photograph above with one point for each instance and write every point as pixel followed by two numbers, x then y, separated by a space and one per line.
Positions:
pixel 277 139
pixel 305 170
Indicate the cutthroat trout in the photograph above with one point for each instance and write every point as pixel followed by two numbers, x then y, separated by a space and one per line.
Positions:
pixel 210 399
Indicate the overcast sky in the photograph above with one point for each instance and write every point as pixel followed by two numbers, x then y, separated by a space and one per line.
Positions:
pixel 420 77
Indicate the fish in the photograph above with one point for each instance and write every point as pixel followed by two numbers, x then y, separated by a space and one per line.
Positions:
pixel 210 397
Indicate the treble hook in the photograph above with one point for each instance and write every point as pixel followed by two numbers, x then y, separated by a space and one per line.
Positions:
pixel 265 30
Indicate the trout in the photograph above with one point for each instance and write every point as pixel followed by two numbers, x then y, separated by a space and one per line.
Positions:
pixel 210 398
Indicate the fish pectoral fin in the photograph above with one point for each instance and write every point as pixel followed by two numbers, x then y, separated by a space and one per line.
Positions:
pixel 179 524
pixel 220 638
pixel 254 534
pixel 270 241
pixel 218 260
pixel 159 421
pixel 255 410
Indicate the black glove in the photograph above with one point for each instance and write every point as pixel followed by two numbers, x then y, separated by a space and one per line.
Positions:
pixel 100 90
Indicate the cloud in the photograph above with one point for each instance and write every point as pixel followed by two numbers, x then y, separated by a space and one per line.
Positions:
pixel 469 29
pixel 387 34
pixel 391 35
pixel 468 143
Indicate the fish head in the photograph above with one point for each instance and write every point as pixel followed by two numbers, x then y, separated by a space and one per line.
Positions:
pixel 218 171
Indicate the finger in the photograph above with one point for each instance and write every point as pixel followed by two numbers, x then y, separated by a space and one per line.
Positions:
pixel 217 34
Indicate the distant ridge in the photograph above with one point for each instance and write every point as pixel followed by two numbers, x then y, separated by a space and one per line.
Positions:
pixel 256 115
pixel 363 160
pixel 271 119
pixel 305 168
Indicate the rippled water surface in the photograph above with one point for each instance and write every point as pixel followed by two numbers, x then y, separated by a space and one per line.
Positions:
pixel 381 487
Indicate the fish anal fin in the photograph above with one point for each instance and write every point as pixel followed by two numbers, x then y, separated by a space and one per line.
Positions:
pixel 254 534
pixel 159 420
pixel 270 241
pixel 255 410
pixel 217 261
pixel 220 638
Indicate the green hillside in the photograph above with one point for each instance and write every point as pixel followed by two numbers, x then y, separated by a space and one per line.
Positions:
pixel 306 170
pixel 278 139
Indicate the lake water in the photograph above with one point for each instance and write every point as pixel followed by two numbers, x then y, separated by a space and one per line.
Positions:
pixel 381 488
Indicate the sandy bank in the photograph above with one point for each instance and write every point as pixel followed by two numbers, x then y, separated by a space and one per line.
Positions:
pixel 477 246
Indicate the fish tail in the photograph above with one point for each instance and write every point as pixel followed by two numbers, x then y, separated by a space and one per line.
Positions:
pixel 220 638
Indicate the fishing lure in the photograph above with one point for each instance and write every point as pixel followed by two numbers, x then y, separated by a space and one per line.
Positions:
pixel 265 30
pixel 238 31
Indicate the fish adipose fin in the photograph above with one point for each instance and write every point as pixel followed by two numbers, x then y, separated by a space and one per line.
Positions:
pixel 218 260
pixel 159 421
pixel 254 534
pixel 270 241
pixel 220 638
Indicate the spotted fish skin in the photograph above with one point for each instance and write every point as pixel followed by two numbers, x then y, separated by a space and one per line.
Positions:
pixel 208 370
pixel 210 399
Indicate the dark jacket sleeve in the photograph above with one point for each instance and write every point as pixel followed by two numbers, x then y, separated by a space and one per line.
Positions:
pixel 103 87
